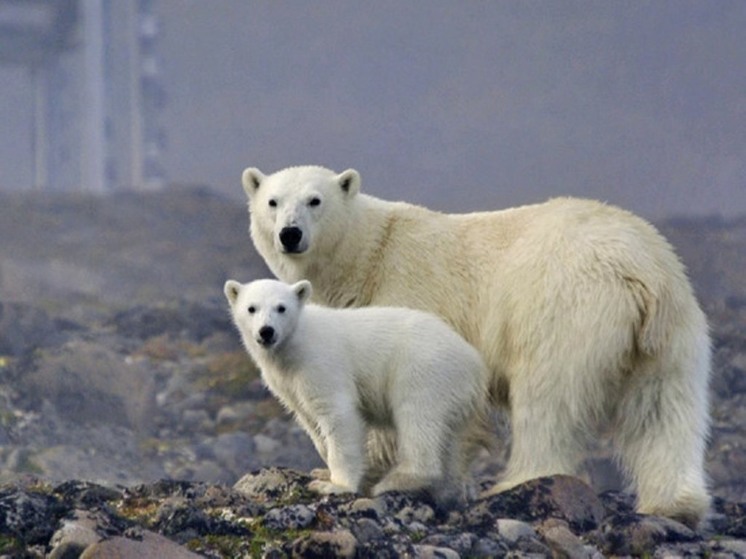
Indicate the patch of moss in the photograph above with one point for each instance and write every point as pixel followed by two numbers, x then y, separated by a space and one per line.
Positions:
pixel 10 545
pixel 262 537
pixel 225 546
pixel 298 494
pixel 416 536
pixel 140 510
pixel 230 546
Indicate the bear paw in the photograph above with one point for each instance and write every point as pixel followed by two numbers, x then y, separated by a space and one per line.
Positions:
pixel 328 488
pixel 323 474
pixel 397 481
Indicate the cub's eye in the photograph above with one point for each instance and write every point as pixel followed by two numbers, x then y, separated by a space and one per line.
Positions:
pixel 272 203
pixel 315 201
pixel 281 309
pixel 252 309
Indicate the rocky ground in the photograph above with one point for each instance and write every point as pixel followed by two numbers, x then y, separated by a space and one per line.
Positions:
pixel 119 368
pixel 269 513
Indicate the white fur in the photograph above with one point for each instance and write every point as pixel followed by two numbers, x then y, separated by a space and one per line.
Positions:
pixel 345 372
pixel 582 312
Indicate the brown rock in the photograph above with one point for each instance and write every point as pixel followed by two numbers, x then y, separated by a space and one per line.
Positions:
pixel 564 497
pixel 150 546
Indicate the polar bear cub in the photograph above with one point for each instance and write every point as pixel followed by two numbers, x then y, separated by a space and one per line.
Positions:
pixel 347 372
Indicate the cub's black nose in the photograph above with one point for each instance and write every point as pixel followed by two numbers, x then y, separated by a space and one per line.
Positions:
pixel 266 335
pixel 290 238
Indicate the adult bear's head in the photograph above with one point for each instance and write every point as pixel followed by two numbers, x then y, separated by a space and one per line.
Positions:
pixel 297 209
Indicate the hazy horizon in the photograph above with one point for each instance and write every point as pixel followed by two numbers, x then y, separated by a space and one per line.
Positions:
pixel 459 106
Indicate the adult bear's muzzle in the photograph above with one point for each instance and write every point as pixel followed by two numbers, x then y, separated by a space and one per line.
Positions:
pixel 290 237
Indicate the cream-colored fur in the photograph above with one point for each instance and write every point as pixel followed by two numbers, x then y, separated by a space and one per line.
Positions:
pixel 582 312
pixel 343 373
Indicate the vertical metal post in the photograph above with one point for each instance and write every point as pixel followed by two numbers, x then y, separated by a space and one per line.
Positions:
pixel 136 117
pixel 94 108
pixel 40 135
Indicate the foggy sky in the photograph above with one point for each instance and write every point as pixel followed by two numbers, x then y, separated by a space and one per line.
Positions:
pixel 457 105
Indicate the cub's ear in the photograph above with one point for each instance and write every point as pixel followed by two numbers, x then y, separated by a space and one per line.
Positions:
pixel 231 289
pixel 303 290
pixel 251 179
pixel 349 182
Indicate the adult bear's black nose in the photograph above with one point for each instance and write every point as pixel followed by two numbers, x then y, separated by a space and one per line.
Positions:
pixel 266 335
pixel 290 238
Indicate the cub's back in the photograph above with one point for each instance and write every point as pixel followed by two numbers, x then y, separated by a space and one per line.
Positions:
pixel 385 337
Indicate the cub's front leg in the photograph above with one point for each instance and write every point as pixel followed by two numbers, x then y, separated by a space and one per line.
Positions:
pixel 344 432
pixel 312 429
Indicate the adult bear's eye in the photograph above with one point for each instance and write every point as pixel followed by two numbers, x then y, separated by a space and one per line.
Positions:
pixel 281 309
pixel 251 309
pixel 272 203
pixel 315 201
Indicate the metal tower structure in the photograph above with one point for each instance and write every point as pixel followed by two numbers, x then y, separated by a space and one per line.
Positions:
pixel 97 87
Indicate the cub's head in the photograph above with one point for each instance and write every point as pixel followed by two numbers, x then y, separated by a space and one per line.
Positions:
pixel 298 209
pixel 266 311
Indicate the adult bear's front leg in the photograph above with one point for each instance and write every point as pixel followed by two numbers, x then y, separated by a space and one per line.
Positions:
pixel 548 431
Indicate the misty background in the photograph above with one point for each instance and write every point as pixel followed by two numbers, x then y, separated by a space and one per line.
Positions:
pixel 456 105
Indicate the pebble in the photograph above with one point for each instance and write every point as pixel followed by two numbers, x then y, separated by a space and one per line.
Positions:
pixel 293 517
pixel 513 530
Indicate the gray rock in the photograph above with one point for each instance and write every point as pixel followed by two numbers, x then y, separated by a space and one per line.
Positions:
pixel 462 543
pixel 271 484
pixel 178 518
pixel 487 547
pixel 736 547
pixel 513 530
pixel 432 552
pixel 366 530
pixel 76 534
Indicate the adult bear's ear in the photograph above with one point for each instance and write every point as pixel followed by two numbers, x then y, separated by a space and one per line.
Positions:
pixel 231 289
pixel 251 179
pixel 349 182
pixel 303 290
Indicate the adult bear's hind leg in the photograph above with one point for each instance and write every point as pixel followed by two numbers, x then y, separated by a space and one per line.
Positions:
pixel 661 436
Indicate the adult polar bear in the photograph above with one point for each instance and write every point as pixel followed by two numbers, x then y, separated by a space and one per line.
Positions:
pixel 582 312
